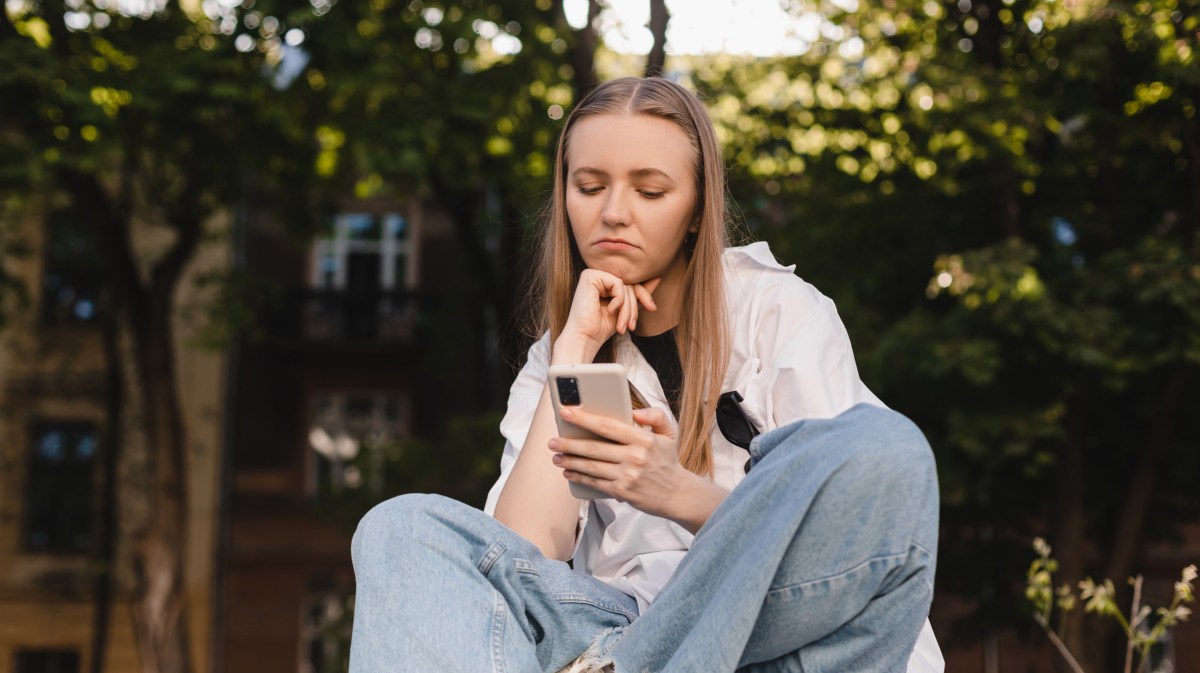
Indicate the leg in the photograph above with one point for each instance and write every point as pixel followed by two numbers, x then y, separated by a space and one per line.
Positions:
pixel 444 587
pixel 821 560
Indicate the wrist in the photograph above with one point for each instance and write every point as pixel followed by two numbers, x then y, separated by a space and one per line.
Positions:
pixel 696 500
pixel 572 351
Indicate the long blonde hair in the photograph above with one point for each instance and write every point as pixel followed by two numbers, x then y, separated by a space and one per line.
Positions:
pixel 702 335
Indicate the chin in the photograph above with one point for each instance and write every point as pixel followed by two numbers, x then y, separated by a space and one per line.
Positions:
pixel 628 275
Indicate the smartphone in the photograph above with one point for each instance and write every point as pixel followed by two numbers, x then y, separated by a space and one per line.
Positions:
pixel 596 388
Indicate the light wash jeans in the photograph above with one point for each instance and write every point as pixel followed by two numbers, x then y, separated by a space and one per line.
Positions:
pixel 822 560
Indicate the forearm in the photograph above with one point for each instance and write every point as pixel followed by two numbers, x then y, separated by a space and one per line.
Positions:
pixel 536 501
pixel 696 500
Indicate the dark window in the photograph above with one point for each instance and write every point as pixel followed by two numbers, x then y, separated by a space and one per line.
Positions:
pixel 47 661
pixel 58 495
pixel 74 274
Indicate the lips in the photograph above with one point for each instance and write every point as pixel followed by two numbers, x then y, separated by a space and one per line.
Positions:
pixel 615 244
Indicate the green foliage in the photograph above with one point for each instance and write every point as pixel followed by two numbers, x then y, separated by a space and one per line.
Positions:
pixel 1000 195
pixel 1144 626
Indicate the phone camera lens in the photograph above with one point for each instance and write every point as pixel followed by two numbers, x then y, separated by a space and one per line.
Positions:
pixel 568 390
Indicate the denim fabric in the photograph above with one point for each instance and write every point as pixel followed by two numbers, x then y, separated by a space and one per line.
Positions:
pixel 821 560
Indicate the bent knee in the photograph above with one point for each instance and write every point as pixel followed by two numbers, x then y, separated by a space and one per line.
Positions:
pixel 397 517
pixel 886 443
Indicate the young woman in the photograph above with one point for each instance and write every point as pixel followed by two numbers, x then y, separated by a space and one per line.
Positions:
pixel 811 548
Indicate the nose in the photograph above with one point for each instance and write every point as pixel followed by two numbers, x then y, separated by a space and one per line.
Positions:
pixel 616 208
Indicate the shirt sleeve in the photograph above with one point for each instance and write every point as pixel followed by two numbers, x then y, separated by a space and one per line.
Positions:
pixel 523 399
pixel 806 363
pixel 927 655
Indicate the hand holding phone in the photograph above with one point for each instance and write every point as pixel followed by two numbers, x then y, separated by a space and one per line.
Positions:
pixel 596 388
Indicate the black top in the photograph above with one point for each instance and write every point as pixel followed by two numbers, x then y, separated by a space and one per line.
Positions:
pixel 662 354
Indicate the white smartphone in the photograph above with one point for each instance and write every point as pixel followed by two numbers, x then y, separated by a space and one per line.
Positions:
pixel 596 388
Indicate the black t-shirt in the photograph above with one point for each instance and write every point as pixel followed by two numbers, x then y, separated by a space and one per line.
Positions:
pixel 662 354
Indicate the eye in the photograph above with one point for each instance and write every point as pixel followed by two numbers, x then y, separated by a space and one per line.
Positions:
pixel 652 194
pixel 589 190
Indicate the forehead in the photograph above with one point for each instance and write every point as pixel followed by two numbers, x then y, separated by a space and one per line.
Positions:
pixel 619 144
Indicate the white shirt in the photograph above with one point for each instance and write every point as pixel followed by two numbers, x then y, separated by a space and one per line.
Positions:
pixel 790 360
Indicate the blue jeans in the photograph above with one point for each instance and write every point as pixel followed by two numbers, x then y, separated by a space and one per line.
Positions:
pixel 821 560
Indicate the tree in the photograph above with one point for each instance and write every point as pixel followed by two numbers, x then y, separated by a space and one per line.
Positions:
pixel 136 121
pixel 1002 197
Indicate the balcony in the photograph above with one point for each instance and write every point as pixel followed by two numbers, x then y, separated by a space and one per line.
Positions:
pixel 333 317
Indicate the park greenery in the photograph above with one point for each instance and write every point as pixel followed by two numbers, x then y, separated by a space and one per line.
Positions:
pixel 1144 627
pixel 1002 196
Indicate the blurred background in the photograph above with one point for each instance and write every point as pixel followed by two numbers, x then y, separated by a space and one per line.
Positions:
pixel 263 264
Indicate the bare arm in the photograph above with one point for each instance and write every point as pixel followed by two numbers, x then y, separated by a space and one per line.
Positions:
pixel 536 501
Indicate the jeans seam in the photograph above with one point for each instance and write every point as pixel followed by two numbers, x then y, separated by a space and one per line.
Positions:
pixel 791 588
pixel 523 566
pixel 587 600
pixel 499 614
pixel 489 559
pixel 925 549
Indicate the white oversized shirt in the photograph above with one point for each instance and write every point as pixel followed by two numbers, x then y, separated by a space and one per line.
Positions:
pixel 790 360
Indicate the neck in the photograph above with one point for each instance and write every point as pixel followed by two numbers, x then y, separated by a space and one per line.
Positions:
pixel 668 296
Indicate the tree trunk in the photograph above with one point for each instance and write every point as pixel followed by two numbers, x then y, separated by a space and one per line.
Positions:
pixel 146 310
pixel 159 598
pixel 659 16
pixel 110 448
pixel 582 54
pixel 1131 526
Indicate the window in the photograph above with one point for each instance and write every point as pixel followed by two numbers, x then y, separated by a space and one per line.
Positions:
pixel 74 274
pixel 347 436
pixel 363 252
pixel 47 661
pixel 360 272
pixel 58 495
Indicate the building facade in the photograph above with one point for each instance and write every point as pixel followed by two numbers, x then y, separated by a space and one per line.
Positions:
pixel 55 479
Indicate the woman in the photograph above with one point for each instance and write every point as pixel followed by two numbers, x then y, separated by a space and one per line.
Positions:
pixel 819 558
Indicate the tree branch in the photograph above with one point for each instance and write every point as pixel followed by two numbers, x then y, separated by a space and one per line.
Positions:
pixel 1058 644
pixel 659 17
pixel 114 227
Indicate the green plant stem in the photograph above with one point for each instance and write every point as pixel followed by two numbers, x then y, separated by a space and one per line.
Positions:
pixel 1058 644
pixel 1133 617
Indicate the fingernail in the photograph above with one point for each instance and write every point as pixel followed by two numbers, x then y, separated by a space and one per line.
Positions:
pixel 566 413
pixel 553 444
pixel 557 458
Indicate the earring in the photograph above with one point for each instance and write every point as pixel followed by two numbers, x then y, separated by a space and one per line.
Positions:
pixel 689 242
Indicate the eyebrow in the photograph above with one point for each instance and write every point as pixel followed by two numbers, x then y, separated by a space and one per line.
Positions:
pixel 636 173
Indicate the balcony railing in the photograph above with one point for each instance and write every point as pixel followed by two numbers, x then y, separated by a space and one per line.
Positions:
pixel 331 316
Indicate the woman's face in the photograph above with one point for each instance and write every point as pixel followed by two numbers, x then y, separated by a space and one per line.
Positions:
pixel 631 195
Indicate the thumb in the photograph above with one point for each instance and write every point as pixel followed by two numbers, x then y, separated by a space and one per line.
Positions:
pixel 656 420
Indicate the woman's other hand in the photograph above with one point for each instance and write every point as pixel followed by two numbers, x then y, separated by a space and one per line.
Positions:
pixel 603 305
pixel 639 466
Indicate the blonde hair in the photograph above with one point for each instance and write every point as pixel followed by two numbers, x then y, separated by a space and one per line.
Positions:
pixel 702 335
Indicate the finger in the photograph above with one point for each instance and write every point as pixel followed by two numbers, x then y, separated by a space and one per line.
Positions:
pixel 644 297
pixel 616 303
pixel 623 316
pixel 603 485
pixel 633 307
pixel 654 419
pixel 585 466
pixel 608 428
pixel 591 449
